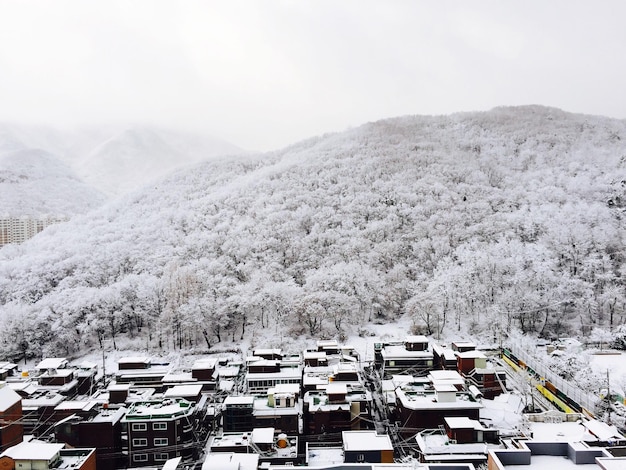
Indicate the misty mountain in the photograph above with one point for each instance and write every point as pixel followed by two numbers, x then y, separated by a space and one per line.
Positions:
pixel 109 159
pixel 135 156
pixel 36 184
pixel 475 223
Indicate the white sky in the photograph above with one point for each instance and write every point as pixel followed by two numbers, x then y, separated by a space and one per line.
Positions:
pixel 266 73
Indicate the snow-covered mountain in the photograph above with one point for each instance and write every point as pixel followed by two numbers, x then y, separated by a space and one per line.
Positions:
pixel 135 156
pixel 115 160
pixel 36 184
pixel 474 223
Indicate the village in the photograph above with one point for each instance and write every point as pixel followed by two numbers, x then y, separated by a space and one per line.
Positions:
pixel 418 404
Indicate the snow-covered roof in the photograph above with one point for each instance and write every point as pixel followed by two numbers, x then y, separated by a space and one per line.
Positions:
pixel 206 363
pixel 314 355
pixel 336 388
pixel 227 371
pixel 230 461
pixel 441 387
pixel 603 431
pixel 162 409
pixel 420 401
pixel 471 355
pixel 365 440
pixel 172 464
pixel 76 405
pixel 115 387
pixel 191 390
pixel 285 388
pixel 263 435
pixel 399 351
pixel 240 400
pixel 133 360
pixel 416 339
pixel 558 432
pixel 462 422
pixel 34 450
pixel 448 375
pixel 285 373
pixel 437 445
pixel 52 363
pixel 8 398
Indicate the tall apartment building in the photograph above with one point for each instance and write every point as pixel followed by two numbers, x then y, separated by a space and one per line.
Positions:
pixel 20 229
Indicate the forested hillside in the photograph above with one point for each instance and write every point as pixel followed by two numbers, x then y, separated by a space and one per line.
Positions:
pixel 477 222
pixel 35 183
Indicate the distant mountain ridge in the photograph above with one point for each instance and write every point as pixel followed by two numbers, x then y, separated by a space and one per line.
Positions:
pixel 135 156
pixel 473 223
pixel 36 184
pixel 45 171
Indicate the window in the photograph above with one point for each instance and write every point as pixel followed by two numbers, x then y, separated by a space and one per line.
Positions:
pixel 159 426
pixel 140 458
pixel 160 441
pixel 139 427
pixel 140 442
pixel 161 457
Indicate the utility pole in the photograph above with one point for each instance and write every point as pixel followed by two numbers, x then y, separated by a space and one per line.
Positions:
pixel 608 395
pixel 104 370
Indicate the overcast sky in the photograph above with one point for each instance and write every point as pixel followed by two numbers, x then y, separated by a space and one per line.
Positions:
pixel 266 73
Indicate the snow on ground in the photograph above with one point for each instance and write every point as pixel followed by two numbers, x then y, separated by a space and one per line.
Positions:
pixel 615 364
pixel 259 338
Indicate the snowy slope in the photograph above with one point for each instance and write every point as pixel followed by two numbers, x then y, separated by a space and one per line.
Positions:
pixel 475 222
pixel 35 183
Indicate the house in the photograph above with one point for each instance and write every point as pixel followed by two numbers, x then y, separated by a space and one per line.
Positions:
pixel 159 430
pixel 39 408
pixel 102 432
pixel 81 408
pixel 35 455
pixel 329 346
pixel 269 354
pixel 366 446
pixel 55 373
pixel 337 407
pixel 190 392
pixel 203 371
pixel 464 431
pixel 315 358
pixel 265 374
pixel 281 409
pixel 238 413
pixel 52 363
pixel 7 369
pixel 463 346
pixel 134 363
pixel 271 448
pixel 141 371
pixel 427 408
pixel 443 357
pixel 490 380
pixel 410 357
pixel 86 374
pixel 12 429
